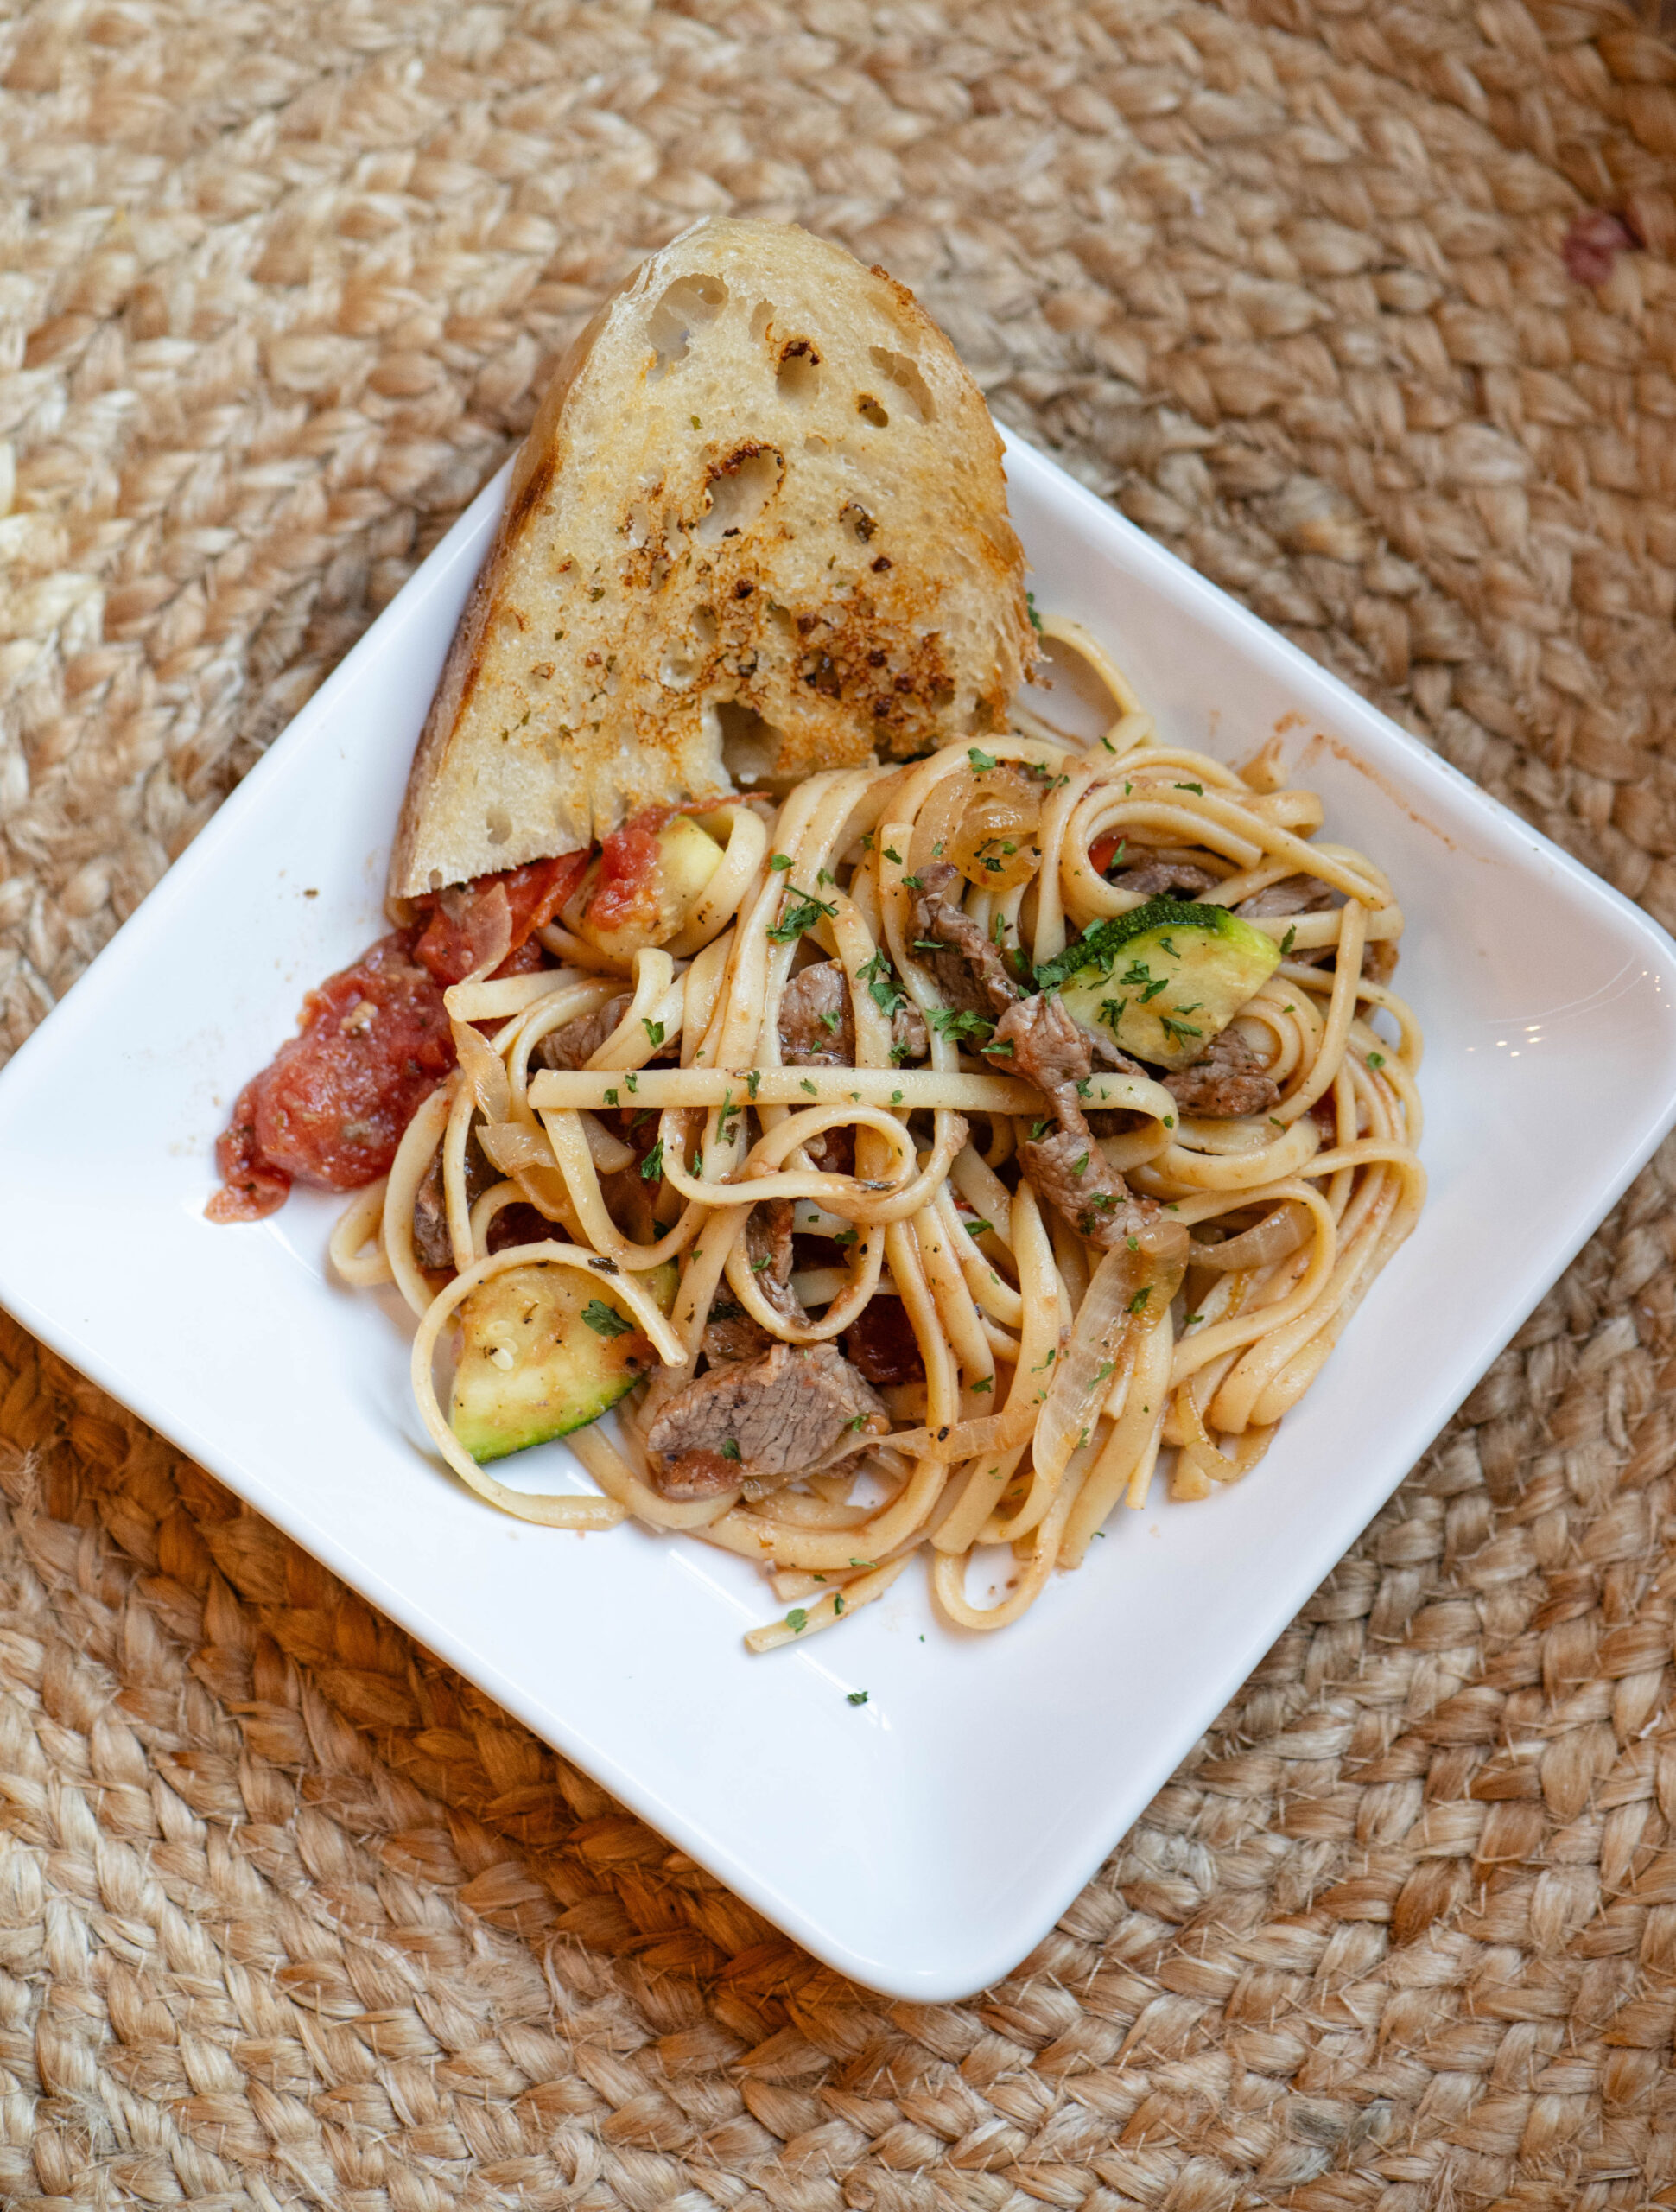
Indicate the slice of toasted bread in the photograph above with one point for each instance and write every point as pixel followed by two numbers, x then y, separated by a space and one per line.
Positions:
pixel 759 523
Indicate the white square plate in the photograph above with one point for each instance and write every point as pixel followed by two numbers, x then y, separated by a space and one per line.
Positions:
pixel 924 1841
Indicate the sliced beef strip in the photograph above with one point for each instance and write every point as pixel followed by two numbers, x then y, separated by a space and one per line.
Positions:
pixel 1292 894
pixel 1068 1169
pixel 432 1246
pixel 817 1029
pixel 1227 1078
pixel 1051 1048
pixel 768 1241
pixel 574 1045
pixel 1152 879
pixel 1378 959
pixel 969 971
pixel 782 1413
pixel 731 1334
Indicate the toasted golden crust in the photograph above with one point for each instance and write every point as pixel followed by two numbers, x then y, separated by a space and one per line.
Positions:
pixel 758 527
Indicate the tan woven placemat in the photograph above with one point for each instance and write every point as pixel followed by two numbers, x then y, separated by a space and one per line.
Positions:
pixel 290 1915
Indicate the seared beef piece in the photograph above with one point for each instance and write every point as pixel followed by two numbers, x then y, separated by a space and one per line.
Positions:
pixel 697 1474
pixel 768 1241
pixel 431 1244
pixel 574 1045
pixel 1229 1078
pixel 1152 879
pixel 817 1029
pixel 969 971
pixel 731 1334
pixel 881 1345
pixel 1050 1047
pixel 833 1151
pixel 1068 1169
pixel 782 1413
pixel 1378 959
pixel 1292 894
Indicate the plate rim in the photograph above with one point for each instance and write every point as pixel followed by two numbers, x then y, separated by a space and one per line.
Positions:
pixel 991 1955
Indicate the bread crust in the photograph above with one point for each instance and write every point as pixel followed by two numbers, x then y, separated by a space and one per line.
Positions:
pixel 760 494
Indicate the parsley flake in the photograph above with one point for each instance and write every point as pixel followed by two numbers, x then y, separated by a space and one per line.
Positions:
pixel 855 1697
pixel 651 1167
pixel 980 759
pixel 797 1620
pixel 654 1031
pixel 606 1319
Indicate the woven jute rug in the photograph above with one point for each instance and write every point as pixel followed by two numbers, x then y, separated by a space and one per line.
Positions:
pixel 1366 309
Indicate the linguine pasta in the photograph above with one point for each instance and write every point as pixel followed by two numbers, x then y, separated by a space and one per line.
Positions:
pixel 1058 1364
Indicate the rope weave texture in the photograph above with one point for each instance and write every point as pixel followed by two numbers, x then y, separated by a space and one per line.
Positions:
pixel 1369 311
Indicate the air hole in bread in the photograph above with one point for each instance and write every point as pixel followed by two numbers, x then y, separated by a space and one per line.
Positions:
pixel 762 321
pixel 798 377
pixel 750 746
pixel 499 823
pixel 903 373
pixel 870 410
pixel 739 492
pixel 685 306
pixel 704 626
pixel 676 672
pixel 856 519
pixel 636 524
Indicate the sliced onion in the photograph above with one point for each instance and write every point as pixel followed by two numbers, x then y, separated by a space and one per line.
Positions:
pixel 1275 1238
pixel 513 1145
pixel 486 1071
pixel 1130 1292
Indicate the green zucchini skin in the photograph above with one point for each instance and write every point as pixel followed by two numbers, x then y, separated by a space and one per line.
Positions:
pixel 1165 979
pixel 532 1366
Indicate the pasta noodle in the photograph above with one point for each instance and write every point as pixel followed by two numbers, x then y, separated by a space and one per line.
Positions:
pixel 1051 1355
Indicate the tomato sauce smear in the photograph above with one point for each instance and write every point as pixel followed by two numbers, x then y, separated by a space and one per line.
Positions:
pixel 331 1107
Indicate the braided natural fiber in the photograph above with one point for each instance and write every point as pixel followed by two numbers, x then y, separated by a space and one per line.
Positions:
pixel 287 1914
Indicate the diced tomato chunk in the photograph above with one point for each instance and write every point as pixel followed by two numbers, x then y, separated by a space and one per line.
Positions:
pixel 628 870
pixel 484 922
pixel 1103 852
pixel 331 1107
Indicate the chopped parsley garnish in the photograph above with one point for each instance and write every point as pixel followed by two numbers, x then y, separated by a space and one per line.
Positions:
pixel 654 1031
pixel 632 1081
pixel 891 853
pixel 1152 989
pixel 1288 940
pixel 1178 1031
pixel 807 1085
pixel 845 1236
pixel 822 879
pixel 1030 604
pixel 837 1601
pixel 1040 1129
pixel 1140 1299
pixel 605 1319
pixel 1376 1059
pixel 1198 789
pixel 1080 1166
pixel 651 1167
pixel 611 1098
pixel 949 1022
pixel 780 860
pixel 1116 860
pixel 984 1382
pixel 881 984
pixel 896 1098
pixel 851 1427
pixel 766 1261
pixel 855 1697
pixel 914 883
pixel 803 913
pixel 729 1449
pixel 751 1081
pixel 980 759
pixel 978 1227
pixel 797 1620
